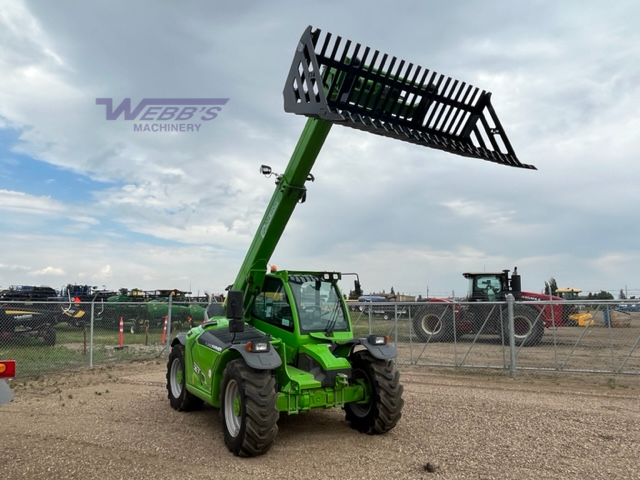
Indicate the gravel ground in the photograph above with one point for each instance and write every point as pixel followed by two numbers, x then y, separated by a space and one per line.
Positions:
pixel 115 422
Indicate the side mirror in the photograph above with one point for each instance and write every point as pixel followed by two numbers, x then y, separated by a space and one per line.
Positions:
pixel 235 299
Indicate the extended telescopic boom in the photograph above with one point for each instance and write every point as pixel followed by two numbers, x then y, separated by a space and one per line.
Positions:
pixel 332 80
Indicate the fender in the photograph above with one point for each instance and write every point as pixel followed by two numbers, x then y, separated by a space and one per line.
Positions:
pixel 181 338
pixel 381 352
pixel 259 360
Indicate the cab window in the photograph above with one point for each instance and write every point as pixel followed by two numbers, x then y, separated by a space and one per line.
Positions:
pixel 272 305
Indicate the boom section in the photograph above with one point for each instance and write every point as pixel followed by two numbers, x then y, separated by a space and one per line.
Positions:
pixel 290 190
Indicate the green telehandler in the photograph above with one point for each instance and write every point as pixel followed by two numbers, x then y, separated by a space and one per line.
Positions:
pixel 283 341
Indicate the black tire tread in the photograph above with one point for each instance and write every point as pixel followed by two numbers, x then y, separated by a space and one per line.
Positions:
pixel 536 333
pixel 446 330
pixel 186 402
pixel 386 392
pixel 259 430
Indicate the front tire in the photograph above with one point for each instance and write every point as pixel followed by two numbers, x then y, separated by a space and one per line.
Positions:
pixel 248 409
pixel 382 383
pixel 179 398
pixel 433 323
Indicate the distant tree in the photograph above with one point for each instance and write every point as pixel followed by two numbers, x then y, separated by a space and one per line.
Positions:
pixel 603 296
pixel 622 296
pixel 550 287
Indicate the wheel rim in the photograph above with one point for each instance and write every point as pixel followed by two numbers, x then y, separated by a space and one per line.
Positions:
pixel 232 408
pixel 177 377
pixel 362 409
pixel 431 324
pixel 521 326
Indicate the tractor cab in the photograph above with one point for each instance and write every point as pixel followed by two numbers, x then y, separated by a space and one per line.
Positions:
pixel 569 293
pixel 301 302
pixel 492 286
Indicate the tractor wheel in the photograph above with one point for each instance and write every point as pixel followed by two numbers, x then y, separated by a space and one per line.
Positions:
pixel 382 383
pixel 179 398
pixel 528 326
pixel 248 409
pixel 49 336
pixel 433 323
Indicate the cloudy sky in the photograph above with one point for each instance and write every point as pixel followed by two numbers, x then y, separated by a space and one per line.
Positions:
pixel 91 201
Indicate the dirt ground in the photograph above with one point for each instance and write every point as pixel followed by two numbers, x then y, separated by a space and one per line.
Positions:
pixel 115 423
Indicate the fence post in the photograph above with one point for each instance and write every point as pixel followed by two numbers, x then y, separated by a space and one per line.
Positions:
pixel 512 339
pixel 168 344
pixel 93 302
pixel 395 326
pixel 455 336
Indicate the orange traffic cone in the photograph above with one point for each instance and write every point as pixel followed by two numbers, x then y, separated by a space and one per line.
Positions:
pixel 164 331
pixel 121 335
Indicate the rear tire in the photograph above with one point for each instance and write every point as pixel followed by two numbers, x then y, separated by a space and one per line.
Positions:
pixel 248 410
pixel 433 323
pixel 179 398
pixel 382 381
pixel 528 326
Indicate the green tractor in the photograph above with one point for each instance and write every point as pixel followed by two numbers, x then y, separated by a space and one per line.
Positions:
pixel 283 342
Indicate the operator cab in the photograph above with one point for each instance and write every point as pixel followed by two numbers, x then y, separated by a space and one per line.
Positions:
pixel 493 286
pixel 315 298
pixel 487 286
pixel 569 293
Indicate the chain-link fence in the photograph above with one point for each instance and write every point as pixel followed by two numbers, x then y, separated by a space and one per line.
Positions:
pixel 51 336
pixel 559 336
pixel 600 336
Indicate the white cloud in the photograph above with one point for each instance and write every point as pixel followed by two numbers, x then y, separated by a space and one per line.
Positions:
pixel 47 271
pixel 183 208
pixel 23 203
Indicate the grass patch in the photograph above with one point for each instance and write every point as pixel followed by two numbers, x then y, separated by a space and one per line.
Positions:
pixel 72 349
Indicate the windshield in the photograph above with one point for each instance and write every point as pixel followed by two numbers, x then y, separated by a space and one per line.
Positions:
pixel 484 287
pixel 318 304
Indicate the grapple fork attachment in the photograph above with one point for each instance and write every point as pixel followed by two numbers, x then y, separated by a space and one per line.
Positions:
pixel 342 82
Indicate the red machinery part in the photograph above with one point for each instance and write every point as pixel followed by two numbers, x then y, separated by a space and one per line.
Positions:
pixel 7 368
